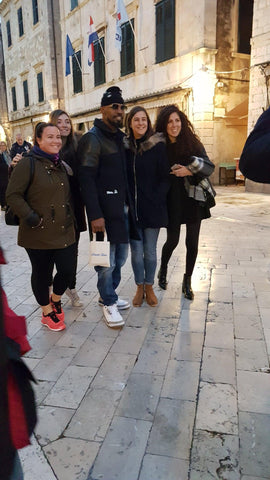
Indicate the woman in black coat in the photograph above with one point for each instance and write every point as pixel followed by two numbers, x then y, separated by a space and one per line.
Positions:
pixel 148 178
pixel 189 165
pixel 68 154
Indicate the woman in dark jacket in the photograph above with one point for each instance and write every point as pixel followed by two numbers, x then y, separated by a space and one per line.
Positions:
pixel 148 178
pixel 46 227
pixel 189 165
pixel 68 154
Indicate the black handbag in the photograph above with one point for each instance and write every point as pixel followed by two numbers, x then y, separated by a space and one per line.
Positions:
pixel 208 192
pixel 10 217
pixel 209 199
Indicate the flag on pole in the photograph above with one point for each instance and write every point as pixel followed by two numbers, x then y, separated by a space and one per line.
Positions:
pixel 121 17
pixel 93 36
pixel 69 53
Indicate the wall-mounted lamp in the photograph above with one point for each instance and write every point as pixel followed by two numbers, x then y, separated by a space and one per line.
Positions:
pixel 220 84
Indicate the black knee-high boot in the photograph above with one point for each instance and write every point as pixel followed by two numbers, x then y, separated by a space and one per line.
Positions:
pixel 186 287
pixel 162 277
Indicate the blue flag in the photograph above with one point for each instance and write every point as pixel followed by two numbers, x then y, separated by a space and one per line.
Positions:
pixel 69 53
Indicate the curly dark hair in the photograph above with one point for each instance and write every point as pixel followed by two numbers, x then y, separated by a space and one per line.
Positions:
pixel 187 140
pixel 131 114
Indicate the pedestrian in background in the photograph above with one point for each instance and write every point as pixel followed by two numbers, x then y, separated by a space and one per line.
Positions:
pixel 254 160
pixel 20 146
pixel 46 227
pixel 5 161
pixel 189 164
pixel 68 154
pixel 148 177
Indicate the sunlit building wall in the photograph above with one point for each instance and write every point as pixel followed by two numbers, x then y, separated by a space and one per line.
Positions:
pixel 32 52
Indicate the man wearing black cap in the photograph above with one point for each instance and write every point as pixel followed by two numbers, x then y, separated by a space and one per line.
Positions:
pixel 104 188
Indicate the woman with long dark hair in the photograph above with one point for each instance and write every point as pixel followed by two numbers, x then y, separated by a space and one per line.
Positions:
pixel 148 178
pixel 39 194
pixel 68 154
pixel 189 164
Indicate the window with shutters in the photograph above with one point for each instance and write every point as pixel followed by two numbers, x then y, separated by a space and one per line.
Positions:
pixel 14 99
pixel 127 49
pixel 40 87
pixel 77 72
pixel 99 63
pixel 25 93
pixel 35 11
pixel 20 21
pixel 165 30
pixel 9 39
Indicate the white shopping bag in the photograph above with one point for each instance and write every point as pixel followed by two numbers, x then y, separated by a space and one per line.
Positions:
pixel 99 252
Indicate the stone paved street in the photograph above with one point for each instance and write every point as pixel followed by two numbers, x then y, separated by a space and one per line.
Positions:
pixel 183 390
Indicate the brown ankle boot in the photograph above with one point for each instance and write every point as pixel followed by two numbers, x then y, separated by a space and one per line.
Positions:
pixel 150 296
pixel 139 296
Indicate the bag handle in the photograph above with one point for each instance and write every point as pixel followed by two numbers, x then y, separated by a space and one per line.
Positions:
pixel 105 239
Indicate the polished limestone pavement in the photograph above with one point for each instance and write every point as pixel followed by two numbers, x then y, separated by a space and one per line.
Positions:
pixel 182 392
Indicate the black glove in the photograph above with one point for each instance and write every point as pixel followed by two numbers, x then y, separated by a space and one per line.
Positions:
pixel 33 220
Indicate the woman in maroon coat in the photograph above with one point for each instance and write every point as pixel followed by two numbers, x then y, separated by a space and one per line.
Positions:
pixel 17 402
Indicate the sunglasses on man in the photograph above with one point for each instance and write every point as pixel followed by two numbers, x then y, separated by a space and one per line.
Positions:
pixel 116 106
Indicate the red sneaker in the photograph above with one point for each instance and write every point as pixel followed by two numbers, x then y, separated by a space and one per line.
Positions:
pixel 57 308
pixel 53 322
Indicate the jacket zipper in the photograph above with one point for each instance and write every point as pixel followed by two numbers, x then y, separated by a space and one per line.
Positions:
pixel 135 187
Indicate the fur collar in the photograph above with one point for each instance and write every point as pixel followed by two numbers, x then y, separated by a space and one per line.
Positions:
pixel 146 145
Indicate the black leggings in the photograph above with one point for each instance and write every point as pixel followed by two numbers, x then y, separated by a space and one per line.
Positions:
pixel 41 260
pixel 72 282
pixel 192 242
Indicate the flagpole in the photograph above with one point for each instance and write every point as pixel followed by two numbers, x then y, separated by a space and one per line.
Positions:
pixel 136 40
pixel 78 63
pixel 102 49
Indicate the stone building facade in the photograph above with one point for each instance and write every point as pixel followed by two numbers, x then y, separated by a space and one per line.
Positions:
pixel 203 44
pixel 169 55
pixel 259 94
pixel 33 62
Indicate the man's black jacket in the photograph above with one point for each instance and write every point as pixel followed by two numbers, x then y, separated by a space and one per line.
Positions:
pixel 103 181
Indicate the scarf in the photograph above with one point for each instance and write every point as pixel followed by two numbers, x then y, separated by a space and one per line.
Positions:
pixel 53 158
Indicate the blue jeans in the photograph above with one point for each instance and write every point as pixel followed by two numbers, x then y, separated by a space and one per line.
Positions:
pixel 144 256
pixel 109 277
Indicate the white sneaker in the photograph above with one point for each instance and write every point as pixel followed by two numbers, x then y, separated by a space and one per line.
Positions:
pixel 121 303
pixel 74 297
pixel 112 316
